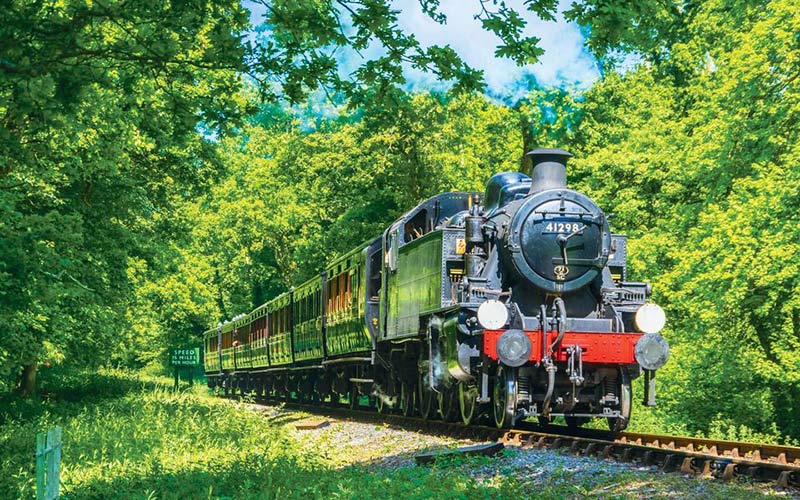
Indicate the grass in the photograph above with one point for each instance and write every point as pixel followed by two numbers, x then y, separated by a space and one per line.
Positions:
pixel 127 437
pixel 130 437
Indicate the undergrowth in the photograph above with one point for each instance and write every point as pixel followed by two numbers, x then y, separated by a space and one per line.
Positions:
pixel 130 436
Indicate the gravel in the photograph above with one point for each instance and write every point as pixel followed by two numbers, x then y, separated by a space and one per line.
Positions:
pixel 382 447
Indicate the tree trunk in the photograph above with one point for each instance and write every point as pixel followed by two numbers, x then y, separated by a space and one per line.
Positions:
pixel 27 383
pixel 528 142
pixel 220 300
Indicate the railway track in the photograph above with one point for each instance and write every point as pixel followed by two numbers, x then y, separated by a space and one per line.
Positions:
pixel 717 458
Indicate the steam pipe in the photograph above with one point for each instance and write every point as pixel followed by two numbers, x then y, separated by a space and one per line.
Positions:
pixel 551 368
pixel 543 327
pixel 558 303
pixel 551 383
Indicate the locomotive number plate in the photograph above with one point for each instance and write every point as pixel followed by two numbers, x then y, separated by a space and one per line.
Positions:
pixel 563 227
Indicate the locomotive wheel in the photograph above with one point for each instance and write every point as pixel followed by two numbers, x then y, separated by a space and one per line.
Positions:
pixel 353 396
pixel 269 393
pixel 303 390
pixel 316 395
pixel 286 390
pixel 259 388
pixel 303 396
pixel 505 397
pixel 380 403
pixel 424 398
pixel 407 399
pixel 448 404
pixel 272 392
pixel 619 424
pixel 468 402
pixel 334 399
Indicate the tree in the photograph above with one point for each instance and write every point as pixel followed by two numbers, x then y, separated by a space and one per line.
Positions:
pixel 295 199
pixel 101 102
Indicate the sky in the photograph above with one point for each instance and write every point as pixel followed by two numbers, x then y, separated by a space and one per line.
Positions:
pixel 565 62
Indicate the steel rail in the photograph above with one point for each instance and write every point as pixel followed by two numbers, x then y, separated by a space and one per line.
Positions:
pixel 699 456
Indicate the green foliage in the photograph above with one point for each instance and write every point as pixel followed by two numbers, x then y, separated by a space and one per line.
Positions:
pixel 294 199
pixel 99 108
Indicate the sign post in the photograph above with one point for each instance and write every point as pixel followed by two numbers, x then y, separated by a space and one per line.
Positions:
pixel 184 357
pixel 48 464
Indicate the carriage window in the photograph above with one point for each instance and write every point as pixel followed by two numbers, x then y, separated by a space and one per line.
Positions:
pixel 298 313
pixel 344 290
pixel 332 288
pixel 391 251
pixel 355 280
pixel 416 226
pixel 374 278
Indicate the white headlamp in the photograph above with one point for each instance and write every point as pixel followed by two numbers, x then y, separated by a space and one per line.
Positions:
pixel 650 318
pixel 492 314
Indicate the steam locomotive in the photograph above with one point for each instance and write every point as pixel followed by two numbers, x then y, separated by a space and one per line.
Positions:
pixel 509 305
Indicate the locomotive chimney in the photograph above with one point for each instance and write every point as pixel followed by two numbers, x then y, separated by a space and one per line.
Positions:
pixel 549 169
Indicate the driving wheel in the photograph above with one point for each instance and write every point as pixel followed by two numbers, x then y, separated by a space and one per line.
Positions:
pixel 468 401
pixel 505 397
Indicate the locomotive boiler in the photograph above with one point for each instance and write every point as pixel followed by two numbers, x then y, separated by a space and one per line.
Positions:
pixel 503 305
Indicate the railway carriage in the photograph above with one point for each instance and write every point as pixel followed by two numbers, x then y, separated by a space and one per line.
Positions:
pixel 503 305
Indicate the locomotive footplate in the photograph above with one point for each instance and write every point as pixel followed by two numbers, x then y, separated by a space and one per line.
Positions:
pixel 596 347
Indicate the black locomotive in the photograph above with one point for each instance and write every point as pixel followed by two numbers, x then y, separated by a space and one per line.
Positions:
pixel 507 305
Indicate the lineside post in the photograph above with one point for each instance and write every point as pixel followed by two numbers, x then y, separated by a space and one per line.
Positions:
pixel 48 464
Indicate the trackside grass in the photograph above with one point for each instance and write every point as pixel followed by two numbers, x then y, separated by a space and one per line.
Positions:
pixel 129 437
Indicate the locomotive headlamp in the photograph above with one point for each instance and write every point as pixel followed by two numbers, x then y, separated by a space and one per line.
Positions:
pixel 651 351
pixel 514 348
pixel 492 315
pixel 650 318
